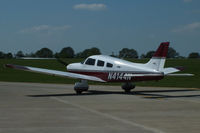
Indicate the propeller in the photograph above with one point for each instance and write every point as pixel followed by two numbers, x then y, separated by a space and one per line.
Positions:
pixel 62 62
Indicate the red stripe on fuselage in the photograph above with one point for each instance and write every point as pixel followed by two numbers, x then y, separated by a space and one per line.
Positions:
pixel 119 76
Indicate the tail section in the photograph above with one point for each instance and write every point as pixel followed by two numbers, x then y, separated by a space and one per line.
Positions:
pixel 157 62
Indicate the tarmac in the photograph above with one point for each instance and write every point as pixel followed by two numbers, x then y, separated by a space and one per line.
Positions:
pixel 55 108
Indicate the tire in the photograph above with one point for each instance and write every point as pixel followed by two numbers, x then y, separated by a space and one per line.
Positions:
pixel 127 87
pixel 78 92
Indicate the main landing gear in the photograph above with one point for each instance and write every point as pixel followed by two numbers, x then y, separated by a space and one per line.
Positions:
pixel 81 86
pixel 127 87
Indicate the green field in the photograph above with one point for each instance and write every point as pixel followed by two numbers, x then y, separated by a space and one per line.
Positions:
pixel 10 75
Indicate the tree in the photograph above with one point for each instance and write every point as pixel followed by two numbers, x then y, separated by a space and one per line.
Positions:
pixel 113 55
pixel 44 53
pixel 2 55
pixel 149 54
pixel 88 52
pixel 194 55
pixel 128 53
pixel 19 54
pixel 172 53
pixel 56 55
pixel 30 55
pixel 9 55
pixel 142 56
pixel 66 52
pixel 79 55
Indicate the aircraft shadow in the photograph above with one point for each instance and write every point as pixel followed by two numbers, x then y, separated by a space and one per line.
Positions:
pixel 149 94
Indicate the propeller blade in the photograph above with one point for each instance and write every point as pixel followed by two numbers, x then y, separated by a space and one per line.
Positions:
pixel 62 62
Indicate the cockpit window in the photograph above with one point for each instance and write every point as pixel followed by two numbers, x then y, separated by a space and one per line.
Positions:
pixel 100 63
pixel 109 65
pixel 90 61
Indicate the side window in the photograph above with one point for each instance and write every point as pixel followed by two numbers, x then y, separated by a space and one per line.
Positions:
pixel 90 61
pixel 100 63
pixel 109 65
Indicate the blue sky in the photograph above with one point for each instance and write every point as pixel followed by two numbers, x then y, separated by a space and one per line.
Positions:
pixel 110 25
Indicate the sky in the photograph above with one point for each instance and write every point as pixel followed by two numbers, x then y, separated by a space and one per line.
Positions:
pixel 110 25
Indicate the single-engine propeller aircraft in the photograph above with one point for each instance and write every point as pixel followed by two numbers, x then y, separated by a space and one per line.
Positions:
pixel 103 68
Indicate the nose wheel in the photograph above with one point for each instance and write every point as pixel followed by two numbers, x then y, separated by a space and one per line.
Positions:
pixel 127 87
pixel 79 87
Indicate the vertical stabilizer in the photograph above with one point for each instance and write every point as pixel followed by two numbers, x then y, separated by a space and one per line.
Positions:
pixel 157 62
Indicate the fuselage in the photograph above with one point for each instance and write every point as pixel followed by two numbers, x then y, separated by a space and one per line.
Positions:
pixel 112 69
pixel 101 68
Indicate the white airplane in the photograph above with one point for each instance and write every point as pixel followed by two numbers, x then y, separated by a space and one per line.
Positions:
pixel 104 68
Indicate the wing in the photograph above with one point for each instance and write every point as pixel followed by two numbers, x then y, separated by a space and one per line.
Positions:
pixel 168 72
pixel 55 72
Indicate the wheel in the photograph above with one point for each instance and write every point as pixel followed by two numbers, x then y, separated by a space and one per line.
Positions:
pixel 127 90
pixel 127 87
pixel 78 92
pixel 79 87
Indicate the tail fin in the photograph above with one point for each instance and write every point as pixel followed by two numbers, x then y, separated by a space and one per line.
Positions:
pixel 157 62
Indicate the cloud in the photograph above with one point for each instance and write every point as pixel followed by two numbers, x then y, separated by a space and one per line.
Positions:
pixel 195 12
pixel 91 7
pixel 45 28
pixel 188 28
pixel 186 1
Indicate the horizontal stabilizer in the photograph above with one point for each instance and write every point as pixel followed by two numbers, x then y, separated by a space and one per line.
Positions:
pixel 169 70
pixel 180 74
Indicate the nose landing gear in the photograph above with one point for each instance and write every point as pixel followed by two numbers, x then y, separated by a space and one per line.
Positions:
pixel 79 87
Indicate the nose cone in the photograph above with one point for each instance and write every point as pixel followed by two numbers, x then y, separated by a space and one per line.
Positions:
pixel 69 67
pixel 73 66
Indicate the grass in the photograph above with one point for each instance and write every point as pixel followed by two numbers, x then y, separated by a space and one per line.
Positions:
pixel 10 75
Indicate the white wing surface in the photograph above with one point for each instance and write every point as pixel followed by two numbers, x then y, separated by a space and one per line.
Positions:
pixel 168 72
pixel 55 72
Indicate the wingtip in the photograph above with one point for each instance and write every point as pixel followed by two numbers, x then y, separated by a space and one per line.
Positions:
pixel 8 65
pixel 15 66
